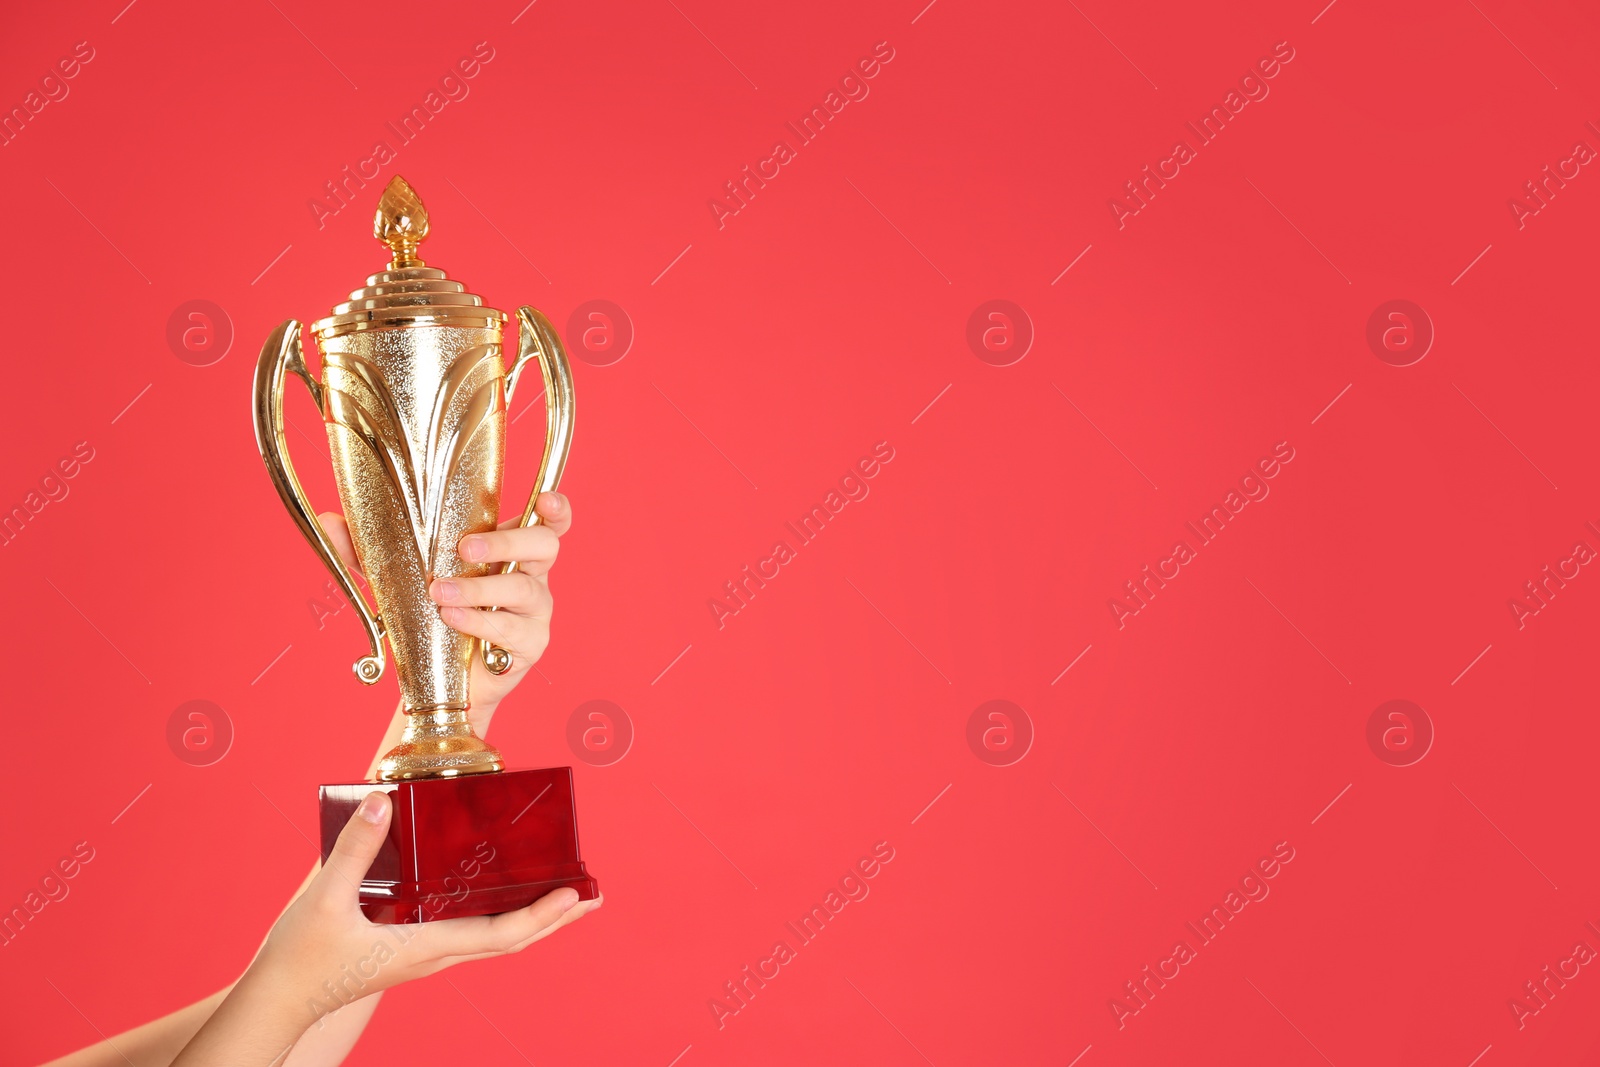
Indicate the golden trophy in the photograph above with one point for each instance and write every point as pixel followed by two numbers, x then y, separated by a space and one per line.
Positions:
pixel 414 394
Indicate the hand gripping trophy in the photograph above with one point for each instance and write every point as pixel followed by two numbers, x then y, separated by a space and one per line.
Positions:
pixel 414 393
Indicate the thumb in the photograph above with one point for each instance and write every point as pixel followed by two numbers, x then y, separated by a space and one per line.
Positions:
pixel 357 846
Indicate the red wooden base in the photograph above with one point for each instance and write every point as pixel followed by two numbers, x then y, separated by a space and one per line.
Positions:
pixel 475 845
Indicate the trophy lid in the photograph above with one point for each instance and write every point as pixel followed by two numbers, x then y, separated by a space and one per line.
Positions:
pixel 410 293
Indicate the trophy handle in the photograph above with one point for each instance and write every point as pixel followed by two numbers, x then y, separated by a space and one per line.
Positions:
pixel 280 355
pixel 537 340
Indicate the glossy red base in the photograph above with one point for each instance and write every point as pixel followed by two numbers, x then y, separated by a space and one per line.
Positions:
pixel 475 845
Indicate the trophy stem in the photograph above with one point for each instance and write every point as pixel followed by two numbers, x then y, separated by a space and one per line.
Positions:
pixel 438 743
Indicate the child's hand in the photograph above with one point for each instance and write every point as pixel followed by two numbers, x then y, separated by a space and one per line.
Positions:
pixel 323 953
pixel 323 937
pixel 522 625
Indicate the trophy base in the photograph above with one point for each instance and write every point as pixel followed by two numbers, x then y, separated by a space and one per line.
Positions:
pixel 475 844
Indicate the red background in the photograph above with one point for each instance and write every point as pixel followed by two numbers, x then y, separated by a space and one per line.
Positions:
pixel 827 714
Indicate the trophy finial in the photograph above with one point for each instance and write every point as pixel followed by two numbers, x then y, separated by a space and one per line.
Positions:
pixel 401 222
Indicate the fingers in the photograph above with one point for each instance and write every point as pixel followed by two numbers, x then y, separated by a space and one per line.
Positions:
pixel 338 532
pixel 556 511
pixel 582 908
pixel 521 628
pixel 356 848
pixel 496 934
pixel 524 636
pixel 514 930
pixel 579 911
pixel 532 548
pixel 516 592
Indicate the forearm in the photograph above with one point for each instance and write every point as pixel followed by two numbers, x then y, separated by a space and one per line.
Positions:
pixel 332 1037
pixel 256 1025
pixel 154 1044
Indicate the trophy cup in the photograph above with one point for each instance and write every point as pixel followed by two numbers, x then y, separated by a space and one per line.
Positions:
pixel 414 393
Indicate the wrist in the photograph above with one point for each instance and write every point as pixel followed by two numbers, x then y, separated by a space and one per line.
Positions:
pixel 258 1022
pixel 480 715
pixel 296 986
pixel 282 996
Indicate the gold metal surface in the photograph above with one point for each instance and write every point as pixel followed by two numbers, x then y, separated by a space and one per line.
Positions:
pixel 280 355
pixel 414 393
pixel 539 341
pixel 402 222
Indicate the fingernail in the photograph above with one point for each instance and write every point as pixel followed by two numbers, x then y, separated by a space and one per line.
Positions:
pixel 443 591
pixel 568 901
pixel 474 548
pixel 371 808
